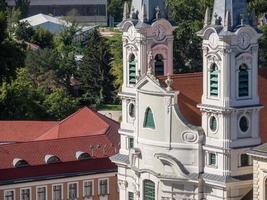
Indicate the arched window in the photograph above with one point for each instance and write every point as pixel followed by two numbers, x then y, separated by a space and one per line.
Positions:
pixel 149 190
pixel 159 65
pixel 149 119
pixel 132 69
pixel 214 80
pixel 17 162
pixel 50 159
pixel 243 81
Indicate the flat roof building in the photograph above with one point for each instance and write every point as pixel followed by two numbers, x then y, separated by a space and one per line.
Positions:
pixel 87 11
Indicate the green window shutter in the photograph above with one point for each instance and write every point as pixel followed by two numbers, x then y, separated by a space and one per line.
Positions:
pixel 214 81
pixel 243 83
pixel 149 190
pixel 212 159
pixel 130 196
pixel 132 72
pixel 149 119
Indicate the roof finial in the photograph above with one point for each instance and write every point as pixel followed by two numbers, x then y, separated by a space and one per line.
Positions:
pixel 242 19
pixel 207 17
pixel 158 14
pixel 218 20
pixel 144 13
pixel 126 14
pixel 227 21
pixel 169 82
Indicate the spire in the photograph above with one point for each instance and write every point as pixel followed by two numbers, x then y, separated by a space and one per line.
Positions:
pixel 126 14
pixel 144 13
pixel 148 8
pixel 237 9
pixel 207 17
pixel 227 21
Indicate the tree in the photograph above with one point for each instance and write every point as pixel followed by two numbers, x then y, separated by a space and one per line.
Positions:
pixel 24 31
pixel 23 6
pixel 3 5
pixel 3 26
pixel 115 43
pixel 20 99
pixel 115 8
pixel 13 16
pixel 59 104
pixel 94 73
pixel 189 15
pixel 50 69
pixel 42 38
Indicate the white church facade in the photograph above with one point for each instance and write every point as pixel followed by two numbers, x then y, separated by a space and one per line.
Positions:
pixel 164 155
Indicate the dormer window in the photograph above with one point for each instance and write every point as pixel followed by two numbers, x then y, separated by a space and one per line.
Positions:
pixel 243 84
pixel 132 69
pixel 214 80
pixel 159 65
pixel 82 155
pixel 51 159
pixel 17 162
pixel 149 119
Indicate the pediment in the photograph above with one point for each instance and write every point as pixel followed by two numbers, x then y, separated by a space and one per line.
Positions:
pixel 150 85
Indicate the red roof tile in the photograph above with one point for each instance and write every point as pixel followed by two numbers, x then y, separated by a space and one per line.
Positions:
pixel 82 123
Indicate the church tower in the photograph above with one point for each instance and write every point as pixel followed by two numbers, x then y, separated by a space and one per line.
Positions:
pixel 230 103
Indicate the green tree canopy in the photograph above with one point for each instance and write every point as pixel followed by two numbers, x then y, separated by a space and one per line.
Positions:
pixel 42 38
pixel 23 6
pixel 94 73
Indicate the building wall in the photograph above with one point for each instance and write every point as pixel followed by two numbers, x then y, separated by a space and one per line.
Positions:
pixel 259 178
pixel 112 187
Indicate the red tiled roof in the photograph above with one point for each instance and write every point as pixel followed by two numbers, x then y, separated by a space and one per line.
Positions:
pixel 85 131
pixel 82 123
pixel 23 130
pixel 190 87
pixel 99 165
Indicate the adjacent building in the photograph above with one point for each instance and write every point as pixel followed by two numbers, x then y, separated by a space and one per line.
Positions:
pixel 86 11
pixel 55 160
pixel 187 136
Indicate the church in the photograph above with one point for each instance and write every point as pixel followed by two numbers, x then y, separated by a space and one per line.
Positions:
pixel 187 136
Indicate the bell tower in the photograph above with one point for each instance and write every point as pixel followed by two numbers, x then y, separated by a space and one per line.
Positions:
pixel 147 49
pixel 230 103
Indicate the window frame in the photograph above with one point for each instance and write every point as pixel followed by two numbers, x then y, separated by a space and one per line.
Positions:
pixel 62 191
pixel 30 192
pixel 77 189
pixel 14 194
pixel 249 160
pixel 85 181
pixel 46 194
pixel 145 119
pixel 248 81
pixel 99 186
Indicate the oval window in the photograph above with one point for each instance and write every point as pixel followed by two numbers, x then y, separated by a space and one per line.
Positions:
pixel 213 124
pixel 132 110
pixel 243 124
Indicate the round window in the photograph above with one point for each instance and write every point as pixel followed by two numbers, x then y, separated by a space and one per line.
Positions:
pixel 213 124
pixel 243 124
pixel 132 110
